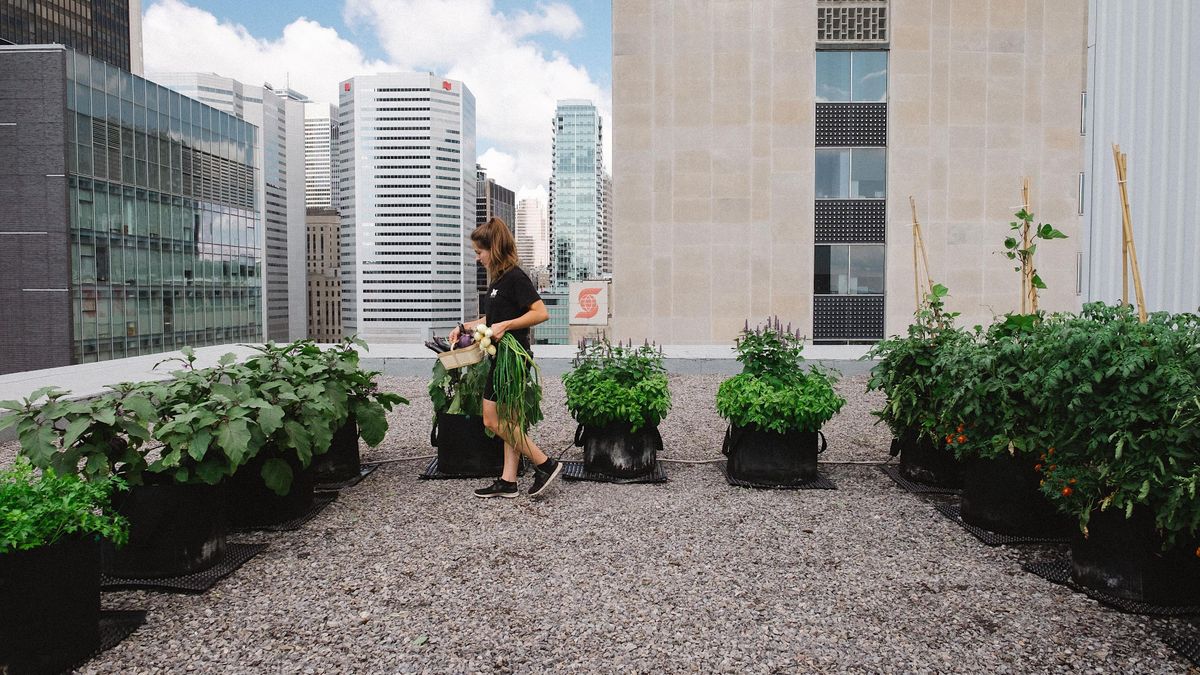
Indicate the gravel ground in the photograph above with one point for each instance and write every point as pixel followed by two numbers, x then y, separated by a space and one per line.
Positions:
pixel 401 575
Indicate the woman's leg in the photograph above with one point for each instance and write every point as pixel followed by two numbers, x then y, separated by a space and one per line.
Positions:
pixel 512 450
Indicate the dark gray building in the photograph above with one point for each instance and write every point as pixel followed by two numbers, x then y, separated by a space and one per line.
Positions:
pixel 128 222
pixel 108 30
pixel 492 200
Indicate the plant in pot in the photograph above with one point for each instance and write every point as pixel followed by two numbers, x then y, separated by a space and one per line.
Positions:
pixel 775 408
pixel 618 394
pixel 173 465
pixel 1120 409
pixel 50 565
pixel 464 448
pixel 904 374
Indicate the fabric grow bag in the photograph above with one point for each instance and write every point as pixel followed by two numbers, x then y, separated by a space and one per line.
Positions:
pixel 173 530
pixel 1125 558
pixel 616 450
pixel 770 457
pixel 464 448
pixel 49 605
pixel 923 461
pixel 343 460
pixel 253 504
pixel 1001 495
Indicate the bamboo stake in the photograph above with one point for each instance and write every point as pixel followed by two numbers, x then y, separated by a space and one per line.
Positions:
pixel 1127 242
pixel 919 247
pixel 1027 266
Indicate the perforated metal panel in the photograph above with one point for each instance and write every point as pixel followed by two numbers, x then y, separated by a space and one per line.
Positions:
pixel 848 317
pixel 851 124
pixel 850 221
pixel 852 21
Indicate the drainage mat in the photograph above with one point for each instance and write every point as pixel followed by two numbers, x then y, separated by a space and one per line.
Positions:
pixel 818 483
pixel 1184 639
pixel 893 471
pixel 575 471
pixel 236 555
pixel 320 501
pixel 432 472
pixel 366 470
pixel 990 538
pixel 1059 572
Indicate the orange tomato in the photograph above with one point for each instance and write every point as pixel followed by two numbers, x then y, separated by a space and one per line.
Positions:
pixel 962 438
pixel 1037 467
pixel 1067 491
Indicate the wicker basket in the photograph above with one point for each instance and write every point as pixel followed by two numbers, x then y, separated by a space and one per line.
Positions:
pixel 457 358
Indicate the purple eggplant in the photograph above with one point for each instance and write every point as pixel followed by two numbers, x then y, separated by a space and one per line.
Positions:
pixel 465 340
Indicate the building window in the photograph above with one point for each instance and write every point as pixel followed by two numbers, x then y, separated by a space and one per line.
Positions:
pixel 852 77
pixel 851 173
pixel 848 269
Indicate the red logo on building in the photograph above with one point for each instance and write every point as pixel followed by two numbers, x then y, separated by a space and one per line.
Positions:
pixel 587 303
pixel 446 85
pixel 346 87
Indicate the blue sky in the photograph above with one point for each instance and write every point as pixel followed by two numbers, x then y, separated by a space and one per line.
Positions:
pixel 516 56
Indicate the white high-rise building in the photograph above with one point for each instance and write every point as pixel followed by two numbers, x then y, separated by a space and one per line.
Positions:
pixel 320 140
pixel 532 233
pixel 406 170
pixel 279 188
pixel 576 193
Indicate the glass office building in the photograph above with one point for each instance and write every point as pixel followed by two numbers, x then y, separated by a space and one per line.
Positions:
pixel 160 226
pixel 576 194
pixel 98 28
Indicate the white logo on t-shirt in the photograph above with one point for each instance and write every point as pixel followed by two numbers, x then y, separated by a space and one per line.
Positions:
pixel 495 291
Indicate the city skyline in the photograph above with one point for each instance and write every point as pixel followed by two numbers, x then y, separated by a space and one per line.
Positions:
pixel 561 49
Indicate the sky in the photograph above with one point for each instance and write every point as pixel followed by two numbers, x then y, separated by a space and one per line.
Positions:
pixel 516 56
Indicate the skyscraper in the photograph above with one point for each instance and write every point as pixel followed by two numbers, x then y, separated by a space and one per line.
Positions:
pixel 320 146
pixel 324 276
pixel 107 30
pixel 532 232
pixel 129 221
pixel 280 183
pixel 576 193
pixel 407 184
pixel 492 200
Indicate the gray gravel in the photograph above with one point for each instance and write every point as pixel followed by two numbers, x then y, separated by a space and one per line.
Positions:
pixel 402 575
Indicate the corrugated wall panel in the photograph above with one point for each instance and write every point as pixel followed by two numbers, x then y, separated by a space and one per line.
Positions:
pixel 1144 65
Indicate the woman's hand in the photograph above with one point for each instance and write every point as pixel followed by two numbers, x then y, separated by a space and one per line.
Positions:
pixel 454 337
pixel 498 330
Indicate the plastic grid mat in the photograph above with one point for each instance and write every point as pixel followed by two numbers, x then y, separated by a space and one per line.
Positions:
pixel 953 512
pixel 575 471
pixel 320 501
pixel 432 472
pixel 1059 572
pixel 236 555
pixel 367 469
pixel 893 471
pixel 1184 639
pixel 818 483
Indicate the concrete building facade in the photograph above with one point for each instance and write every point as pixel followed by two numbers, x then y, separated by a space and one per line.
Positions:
pixel 324 276
pixel 128 215
pixel 320 142
pixel 407 183
pixel 743 165
pixel 533 233
pixel 279 114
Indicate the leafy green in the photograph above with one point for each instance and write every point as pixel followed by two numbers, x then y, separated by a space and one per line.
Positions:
pixel 618 383
pixel 38 510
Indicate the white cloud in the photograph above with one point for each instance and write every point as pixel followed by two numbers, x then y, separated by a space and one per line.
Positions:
pixel 515 81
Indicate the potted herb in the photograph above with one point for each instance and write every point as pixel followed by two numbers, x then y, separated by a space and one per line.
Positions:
pixel 905 374
pixel 50 566
pixel 775 408
pixel 1120 405
pixel 464 447
pixel 618 394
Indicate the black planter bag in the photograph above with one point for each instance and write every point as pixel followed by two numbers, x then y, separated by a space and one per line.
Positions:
pixel 464 448
pixel 1125 558
pixel 1002 495
pixel 253 504
pixel 49 605
pixel 923 461
pixel 173 530
pixel 772 458
pixel 343 460
pixel 615 450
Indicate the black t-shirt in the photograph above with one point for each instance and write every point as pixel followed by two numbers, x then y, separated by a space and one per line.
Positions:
pixel 509 297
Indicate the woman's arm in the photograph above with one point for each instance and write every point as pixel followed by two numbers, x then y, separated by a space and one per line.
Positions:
pixel 536 314
pixel 454 334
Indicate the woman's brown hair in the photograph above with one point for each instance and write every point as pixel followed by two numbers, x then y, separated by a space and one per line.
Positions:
pixel 494 237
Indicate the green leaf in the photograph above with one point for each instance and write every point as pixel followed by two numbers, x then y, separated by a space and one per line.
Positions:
pixel 234 439
pixel 74 430
pixel 372 423
pixel 1037 282
pixel 105 416
pixel 140 406
pixel 11 405
pixel 278 476
pixel 211 470
pixel 1010 243
pixel 227 359
pixel 97 465
pixel 270 419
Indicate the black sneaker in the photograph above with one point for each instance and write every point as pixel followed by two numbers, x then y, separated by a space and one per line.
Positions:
pixel 543 479
pixel 499 488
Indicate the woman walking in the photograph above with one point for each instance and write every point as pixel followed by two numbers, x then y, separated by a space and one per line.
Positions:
pixel 511 305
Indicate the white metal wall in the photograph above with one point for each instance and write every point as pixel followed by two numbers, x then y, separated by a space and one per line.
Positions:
pixel 1144 93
